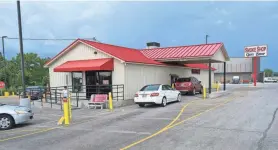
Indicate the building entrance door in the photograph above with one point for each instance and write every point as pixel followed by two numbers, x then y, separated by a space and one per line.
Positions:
pixel 91 82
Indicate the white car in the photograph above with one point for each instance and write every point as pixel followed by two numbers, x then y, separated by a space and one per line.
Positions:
pixel 157 94
pixel 12 115
pixel 269 79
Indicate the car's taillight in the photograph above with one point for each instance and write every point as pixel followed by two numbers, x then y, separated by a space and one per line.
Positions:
pixel 154 94
pixel 136 95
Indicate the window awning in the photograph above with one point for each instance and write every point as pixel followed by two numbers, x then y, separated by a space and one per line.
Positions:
pixel 86 65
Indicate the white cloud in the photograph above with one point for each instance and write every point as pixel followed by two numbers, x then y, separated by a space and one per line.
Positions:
pixel 174 41
pixel 231 26
pixel 225 12
pixel 222 11
pixel 34 19
pixel 54 19
pixel 58 19
pixel 219 22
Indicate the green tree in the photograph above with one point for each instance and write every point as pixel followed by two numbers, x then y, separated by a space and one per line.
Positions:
pixel 35 73
pixel 268 72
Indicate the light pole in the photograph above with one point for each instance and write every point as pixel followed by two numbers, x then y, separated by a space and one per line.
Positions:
pixel 21 48
pixel 4 59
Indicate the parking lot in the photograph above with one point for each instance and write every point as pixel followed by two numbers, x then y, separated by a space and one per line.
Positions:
pixel 244 119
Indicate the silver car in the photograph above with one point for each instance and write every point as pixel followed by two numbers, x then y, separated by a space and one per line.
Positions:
pixel 12 115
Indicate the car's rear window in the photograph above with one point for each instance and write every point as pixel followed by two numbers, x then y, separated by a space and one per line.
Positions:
pixel 184 80
pixel 150 88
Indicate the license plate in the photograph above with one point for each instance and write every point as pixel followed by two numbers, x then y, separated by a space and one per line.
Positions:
pixel 144 95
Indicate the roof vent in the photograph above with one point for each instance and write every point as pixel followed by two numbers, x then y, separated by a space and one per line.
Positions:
pixel 153 45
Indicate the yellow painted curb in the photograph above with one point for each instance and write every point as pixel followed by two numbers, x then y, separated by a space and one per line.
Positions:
pixel 7 96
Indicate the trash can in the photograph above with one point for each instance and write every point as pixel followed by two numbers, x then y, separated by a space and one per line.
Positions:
pixel 6 94
pixel 25 102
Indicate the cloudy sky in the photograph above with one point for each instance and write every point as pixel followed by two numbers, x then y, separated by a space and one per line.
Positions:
pixel 132 24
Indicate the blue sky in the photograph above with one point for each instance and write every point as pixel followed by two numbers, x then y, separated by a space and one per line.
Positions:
pixel 132 24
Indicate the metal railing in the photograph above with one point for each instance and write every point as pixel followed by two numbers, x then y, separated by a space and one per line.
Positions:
pixel 53 95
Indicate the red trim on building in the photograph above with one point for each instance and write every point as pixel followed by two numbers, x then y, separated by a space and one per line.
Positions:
pixel 106 64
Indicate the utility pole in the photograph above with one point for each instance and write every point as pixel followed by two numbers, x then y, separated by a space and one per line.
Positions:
pixel 207 39
pixel 21 48
pixel 4 59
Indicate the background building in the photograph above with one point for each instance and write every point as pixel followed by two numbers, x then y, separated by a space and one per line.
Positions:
pixel 275 75
pixel 237 66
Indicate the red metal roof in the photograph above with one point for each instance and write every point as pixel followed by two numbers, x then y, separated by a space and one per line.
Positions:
pixel 85 65
pixel 148 56
pixel 123 53
pixel 199 66
pixel 202 50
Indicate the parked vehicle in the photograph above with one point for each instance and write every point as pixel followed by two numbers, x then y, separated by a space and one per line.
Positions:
pixel 12 115
pixel 189 85
pixel 156 94
pixel 35 92
pixel 269 79
pixel 236 80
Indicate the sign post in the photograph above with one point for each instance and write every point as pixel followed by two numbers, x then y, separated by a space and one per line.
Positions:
pixel 255 51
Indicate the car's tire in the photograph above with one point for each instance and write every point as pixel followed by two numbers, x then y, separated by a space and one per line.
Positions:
pixel 163 102
pixel 179 98
pixel 6 122
pixel 141 105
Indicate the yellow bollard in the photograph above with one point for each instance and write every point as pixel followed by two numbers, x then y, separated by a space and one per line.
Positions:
pixel 66 110
pixel 204 92
pixel 6 93
pixel 110 101
pixel 218 87
pixel 61 120
pixel 13 93
pixel 70 107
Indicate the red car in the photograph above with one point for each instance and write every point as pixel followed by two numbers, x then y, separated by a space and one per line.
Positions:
pixel 189 85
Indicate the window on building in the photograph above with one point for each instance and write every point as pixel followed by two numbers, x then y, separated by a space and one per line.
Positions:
pixel 105 78
pixel 195 71
pixel 77 81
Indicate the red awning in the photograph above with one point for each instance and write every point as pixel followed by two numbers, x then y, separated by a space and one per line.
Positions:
pixel 86 65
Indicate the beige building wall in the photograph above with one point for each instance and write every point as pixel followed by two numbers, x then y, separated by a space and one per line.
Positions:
pixel 138 75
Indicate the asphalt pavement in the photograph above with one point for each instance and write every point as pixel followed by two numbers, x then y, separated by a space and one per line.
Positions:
pixel 244 119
